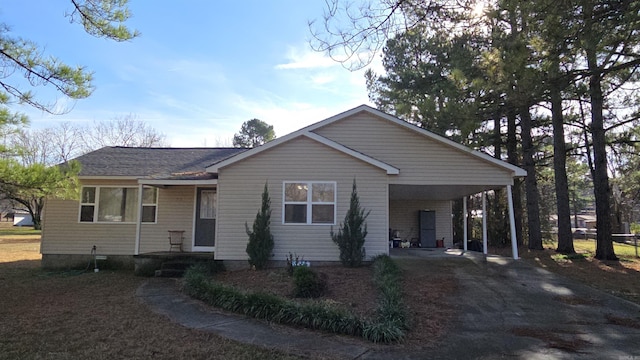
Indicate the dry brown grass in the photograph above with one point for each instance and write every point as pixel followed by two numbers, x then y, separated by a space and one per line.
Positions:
pixel 47 315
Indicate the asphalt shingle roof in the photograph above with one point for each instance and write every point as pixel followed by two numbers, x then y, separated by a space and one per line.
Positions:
pixel 157 162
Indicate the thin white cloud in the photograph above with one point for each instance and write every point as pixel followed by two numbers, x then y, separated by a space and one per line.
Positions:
pixel 305 58
pixel 322 79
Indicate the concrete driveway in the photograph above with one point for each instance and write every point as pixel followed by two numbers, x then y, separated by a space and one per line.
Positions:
pixel 507 309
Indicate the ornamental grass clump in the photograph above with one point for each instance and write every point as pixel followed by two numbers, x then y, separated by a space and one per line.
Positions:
pixel 391 323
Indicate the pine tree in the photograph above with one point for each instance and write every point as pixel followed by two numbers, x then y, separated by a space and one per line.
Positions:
pixel 351 235
pixel 260 243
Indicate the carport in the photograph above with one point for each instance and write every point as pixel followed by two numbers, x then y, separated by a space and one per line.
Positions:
pixel 407 200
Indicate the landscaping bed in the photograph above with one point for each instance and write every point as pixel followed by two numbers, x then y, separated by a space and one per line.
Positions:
pixel 428 290
pixel 351 288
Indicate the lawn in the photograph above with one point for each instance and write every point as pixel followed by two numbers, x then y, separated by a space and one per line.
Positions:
pixel 71 315
pixel 7 230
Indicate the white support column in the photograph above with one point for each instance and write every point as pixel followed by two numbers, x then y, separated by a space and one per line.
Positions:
pixel 465 236
pixel 484 222
pixel 512 224
pixel 136 251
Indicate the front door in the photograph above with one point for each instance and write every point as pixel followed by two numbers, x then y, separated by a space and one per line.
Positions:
pixel 205 226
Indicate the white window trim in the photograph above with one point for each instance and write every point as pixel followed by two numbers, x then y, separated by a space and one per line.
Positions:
pixel 96 205
pixel 309 203
pixel 155 205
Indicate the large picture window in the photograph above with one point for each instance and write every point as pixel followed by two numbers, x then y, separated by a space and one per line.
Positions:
pixel 309 202
pixel 117 204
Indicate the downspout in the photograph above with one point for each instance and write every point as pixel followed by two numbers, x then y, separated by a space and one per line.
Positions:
pixel 136 250
pixel 465 232
pixel 484 222
pixel 512 224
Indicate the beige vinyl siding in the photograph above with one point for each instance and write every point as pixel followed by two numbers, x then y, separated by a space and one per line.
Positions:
pixel 403 216
pixel 64 234
pixel 175 212
pixel 420 159
pixel 239 198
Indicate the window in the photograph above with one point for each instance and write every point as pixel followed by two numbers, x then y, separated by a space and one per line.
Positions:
pixel 309 202
pixel 117 204
pixel 149 204
pixel 207 204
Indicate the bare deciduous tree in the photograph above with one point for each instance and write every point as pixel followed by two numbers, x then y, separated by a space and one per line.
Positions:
pixel 123 131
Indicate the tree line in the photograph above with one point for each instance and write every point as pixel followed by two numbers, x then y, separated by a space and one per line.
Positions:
pixel 541 84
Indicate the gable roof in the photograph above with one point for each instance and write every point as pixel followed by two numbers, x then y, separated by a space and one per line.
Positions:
pixel 142 162
pixel 308 131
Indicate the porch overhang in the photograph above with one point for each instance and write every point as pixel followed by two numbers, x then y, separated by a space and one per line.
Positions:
pixel 191 178
pixel 167 182
pixel 436 192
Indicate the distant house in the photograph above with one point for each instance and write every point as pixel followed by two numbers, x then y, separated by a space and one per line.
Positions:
pixel 132 197
pixel 22 218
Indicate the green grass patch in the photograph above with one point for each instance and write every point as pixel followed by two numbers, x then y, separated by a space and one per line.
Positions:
pixel 589 247
pixel 18 231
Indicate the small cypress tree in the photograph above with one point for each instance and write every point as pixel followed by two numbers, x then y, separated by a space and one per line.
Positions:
pixel 260 243
pixel 351 234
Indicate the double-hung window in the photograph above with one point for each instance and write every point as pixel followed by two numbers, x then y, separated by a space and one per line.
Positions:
pixel 108 204
pixel 309 202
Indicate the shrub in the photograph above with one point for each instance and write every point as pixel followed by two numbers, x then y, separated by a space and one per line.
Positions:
pixel 295 261
pixel 307 283
pixel 260 243
pixel 352 232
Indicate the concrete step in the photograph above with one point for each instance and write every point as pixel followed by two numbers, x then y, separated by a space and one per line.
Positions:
pixel 173 273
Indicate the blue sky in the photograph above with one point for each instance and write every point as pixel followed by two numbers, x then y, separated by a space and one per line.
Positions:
pixel 198 70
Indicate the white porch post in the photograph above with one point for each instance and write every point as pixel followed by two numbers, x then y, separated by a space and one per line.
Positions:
pixel 136 251
pixel 484 222
pixel 512 224
pixel 465 235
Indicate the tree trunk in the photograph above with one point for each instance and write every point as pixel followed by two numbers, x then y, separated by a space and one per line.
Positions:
pixel 531 184
pixel 565 238
pixel 601 189
pixel 496 219
pixel 512 157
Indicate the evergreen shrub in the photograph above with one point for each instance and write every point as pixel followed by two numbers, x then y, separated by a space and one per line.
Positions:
pixel 260 243
pixel 307 283
pixel 352 232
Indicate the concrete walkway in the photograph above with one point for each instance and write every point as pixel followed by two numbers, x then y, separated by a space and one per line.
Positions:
pixel 507 309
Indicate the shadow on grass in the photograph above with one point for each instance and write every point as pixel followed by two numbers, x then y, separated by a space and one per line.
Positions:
pixel 615 277
pixel 20 264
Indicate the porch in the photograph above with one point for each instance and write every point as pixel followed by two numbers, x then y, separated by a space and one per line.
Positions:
pixel 169 264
